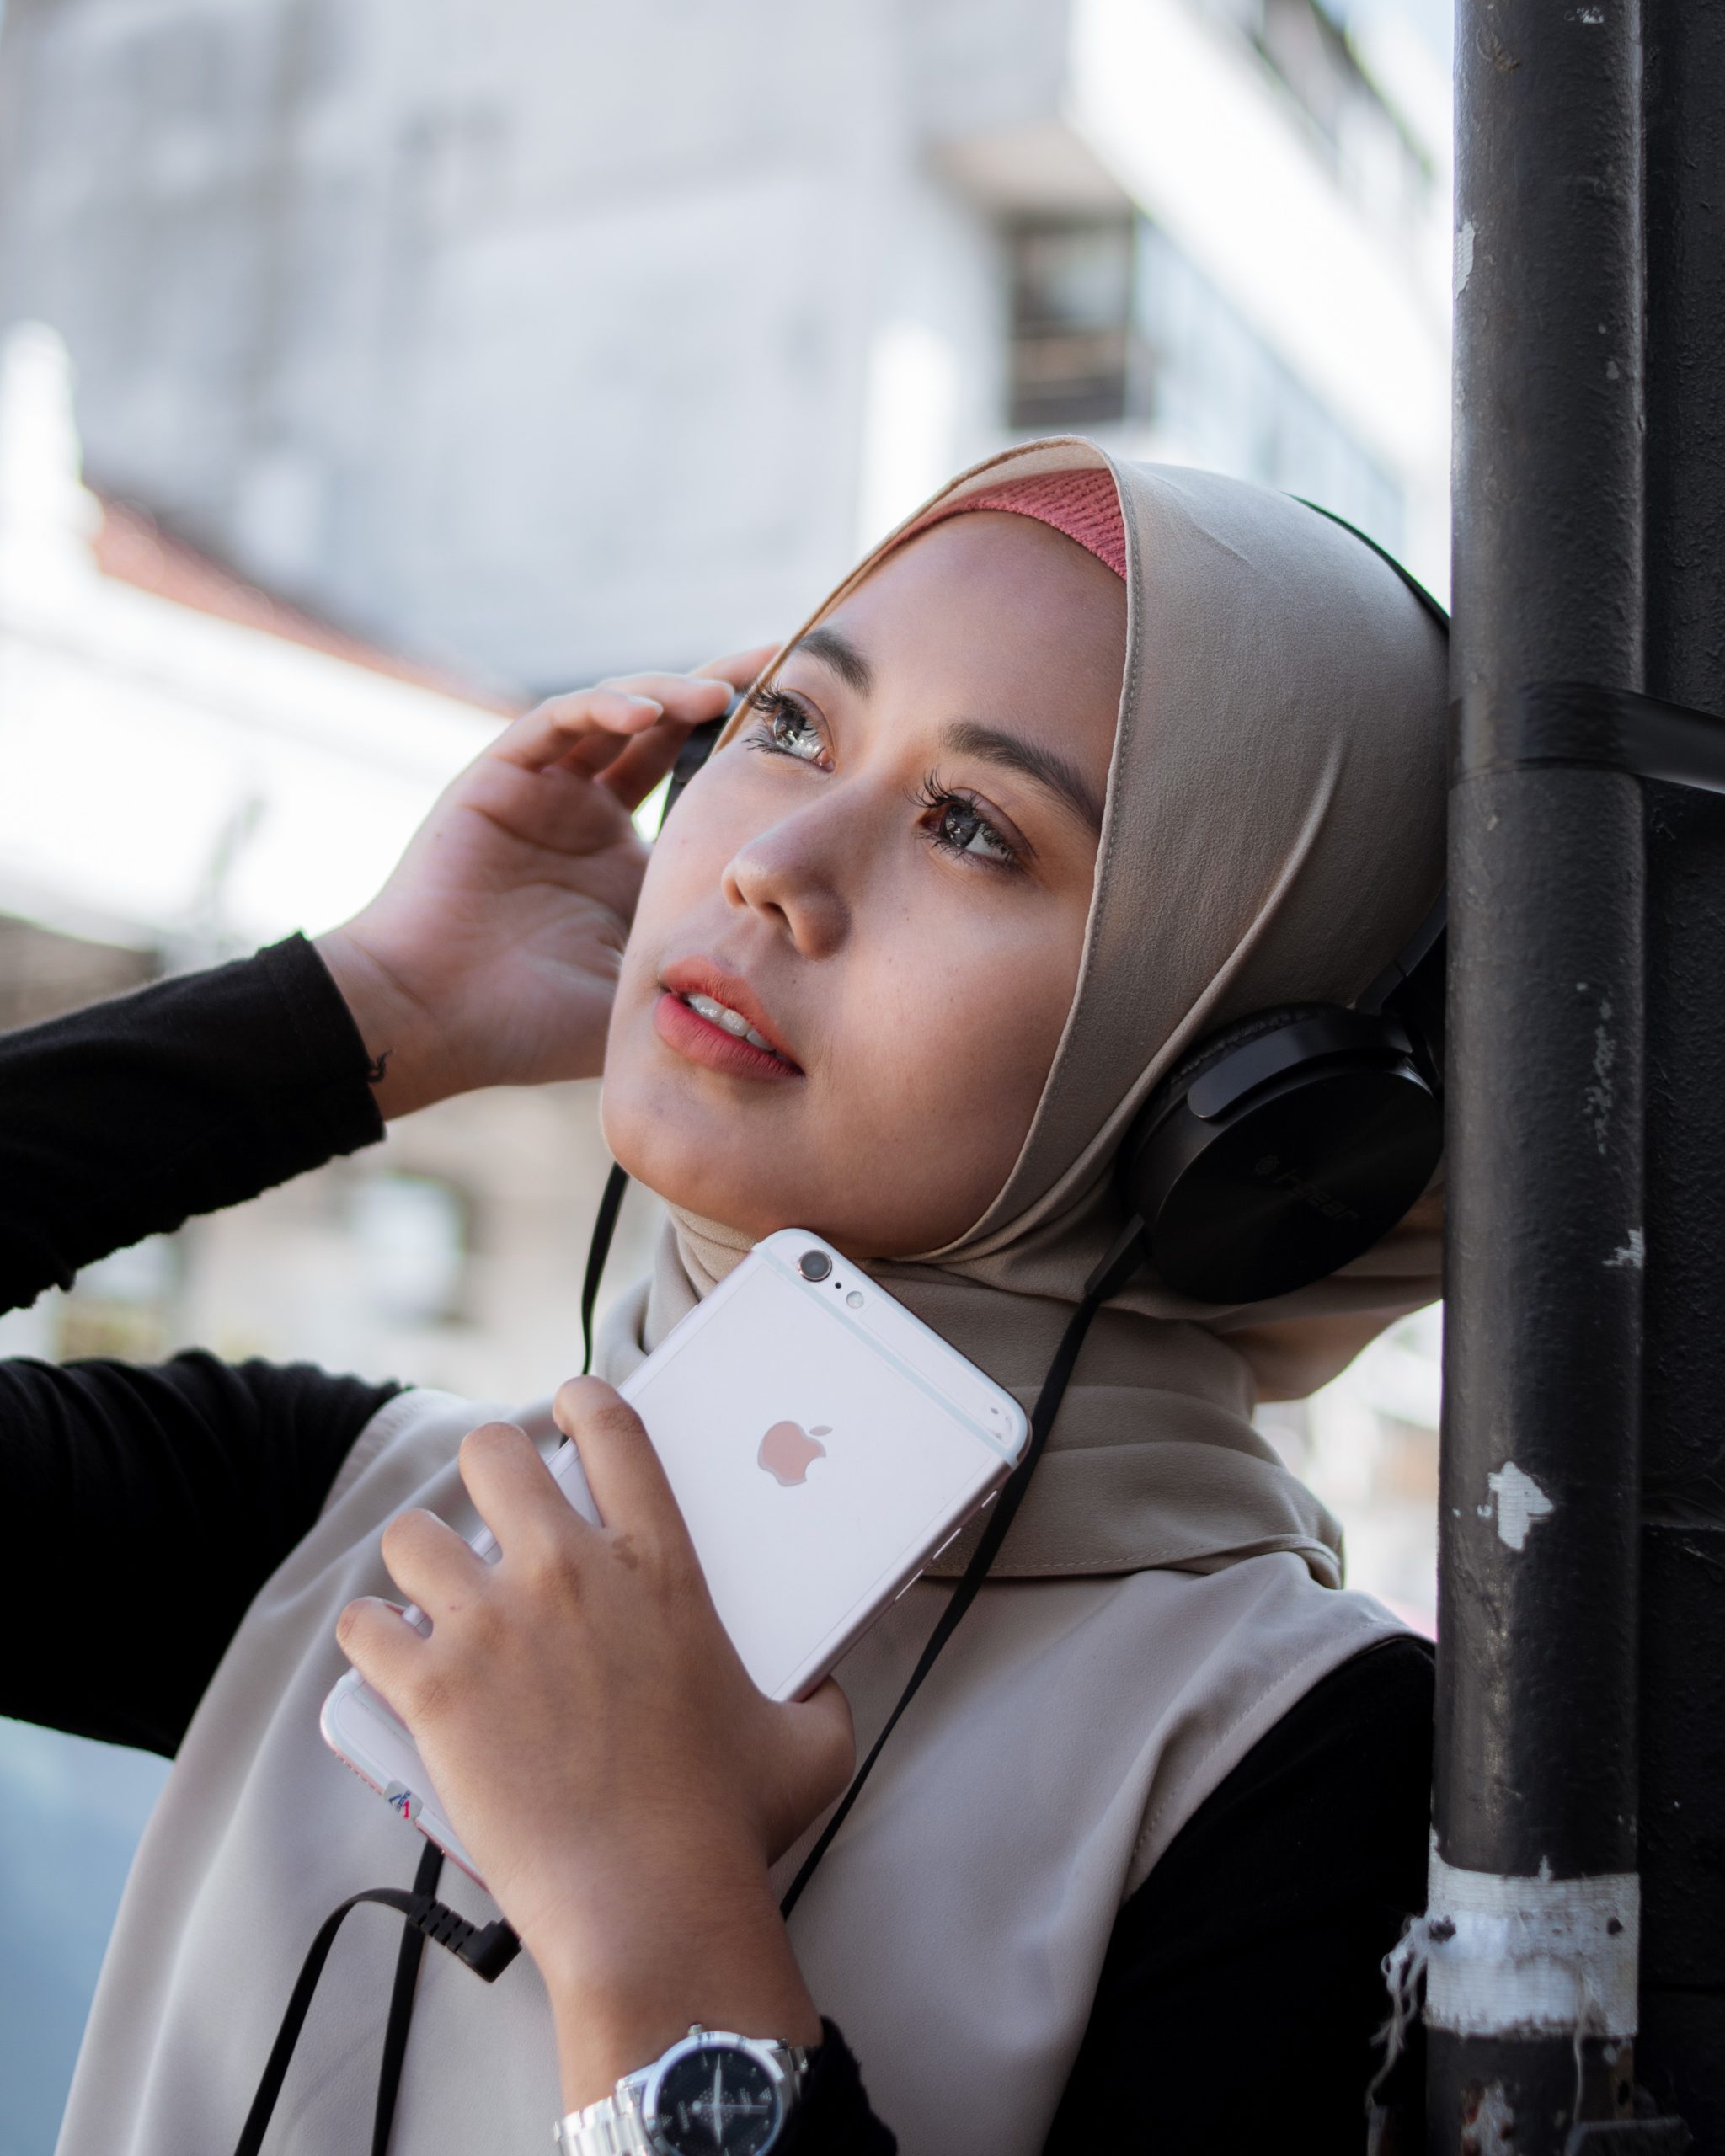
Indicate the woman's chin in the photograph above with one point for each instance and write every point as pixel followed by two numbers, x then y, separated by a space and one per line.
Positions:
pixel 680 1167
pixel 750 1174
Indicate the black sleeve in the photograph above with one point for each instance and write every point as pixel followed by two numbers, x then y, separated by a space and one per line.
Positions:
pixel 122 1120
pixel 834 2118
pixel 1240 1997
pixel 148 1506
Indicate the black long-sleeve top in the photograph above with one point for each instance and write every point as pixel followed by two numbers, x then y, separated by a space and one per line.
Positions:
pixel 1241 1987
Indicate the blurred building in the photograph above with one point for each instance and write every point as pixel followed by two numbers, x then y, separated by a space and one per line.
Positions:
pixel 188 769
pixel 542 339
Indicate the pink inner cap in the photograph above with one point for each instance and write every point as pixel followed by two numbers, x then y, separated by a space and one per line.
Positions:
pixel 1083 505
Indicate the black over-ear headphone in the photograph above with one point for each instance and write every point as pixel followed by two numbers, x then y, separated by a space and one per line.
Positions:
pixel 1285 1145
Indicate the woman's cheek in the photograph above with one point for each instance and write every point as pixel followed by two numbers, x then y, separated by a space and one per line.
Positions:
pixel 946 1065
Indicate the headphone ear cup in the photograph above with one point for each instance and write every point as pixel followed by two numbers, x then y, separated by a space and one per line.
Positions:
pixel 1215 1048
pixel 1280 1150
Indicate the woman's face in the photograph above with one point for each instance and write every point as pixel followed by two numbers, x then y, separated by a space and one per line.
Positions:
pixel 885 879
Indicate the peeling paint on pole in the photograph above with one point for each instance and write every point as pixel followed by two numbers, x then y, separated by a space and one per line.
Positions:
pixel 1520 1502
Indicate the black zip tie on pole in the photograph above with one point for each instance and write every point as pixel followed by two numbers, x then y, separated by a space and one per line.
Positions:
pixel 1577 723
pixel 487 1949
pixel 1122 1262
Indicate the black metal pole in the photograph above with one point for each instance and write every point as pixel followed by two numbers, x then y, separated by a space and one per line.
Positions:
pixel 1681 2047
pixel 1532 1915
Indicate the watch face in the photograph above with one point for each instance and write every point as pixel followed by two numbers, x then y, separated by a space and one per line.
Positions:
pixel 715 2101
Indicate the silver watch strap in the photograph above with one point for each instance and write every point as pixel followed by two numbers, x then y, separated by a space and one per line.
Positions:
pixel 613 2126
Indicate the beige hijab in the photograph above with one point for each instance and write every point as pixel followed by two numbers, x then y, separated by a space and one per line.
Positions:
pixel 1274 833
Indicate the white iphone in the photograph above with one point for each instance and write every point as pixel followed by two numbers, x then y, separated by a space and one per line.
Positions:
pixel 823 1444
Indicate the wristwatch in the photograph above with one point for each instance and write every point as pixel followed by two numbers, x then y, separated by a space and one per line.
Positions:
pixel 712 2094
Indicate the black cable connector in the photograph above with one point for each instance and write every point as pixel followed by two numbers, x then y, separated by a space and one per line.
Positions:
pixel 487 1950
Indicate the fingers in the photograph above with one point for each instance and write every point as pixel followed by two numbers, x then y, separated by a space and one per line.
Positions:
pixel 814 1759
pixel 552 730
pixel 586 731
pixel 830 1737
pixel 429 1562
pixel 622 1470
pixel 647 758
pixel 642 763
pixel 515 1491
pixel 381 1646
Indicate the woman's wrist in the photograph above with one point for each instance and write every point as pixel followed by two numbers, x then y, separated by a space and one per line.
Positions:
pixel 395 1026
pixel 705 1947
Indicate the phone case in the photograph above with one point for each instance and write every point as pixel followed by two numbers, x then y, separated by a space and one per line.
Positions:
pixel 823 1444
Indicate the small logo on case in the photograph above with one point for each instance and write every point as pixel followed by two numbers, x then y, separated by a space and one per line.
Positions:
pixel 401 1799
pixel 788 1451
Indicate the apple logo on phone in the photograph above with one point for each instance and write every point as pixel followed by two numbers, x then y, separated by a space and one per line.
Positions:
pixel 788 1451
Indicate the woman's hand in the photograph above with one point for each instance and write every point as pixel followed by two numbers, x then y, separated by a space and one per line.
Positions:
pixel 490 956
pixel 600 1750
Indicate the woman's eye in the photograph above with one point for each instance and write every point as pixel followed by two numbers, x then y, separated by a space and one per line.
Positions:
pixel 791 731
pixel 961 826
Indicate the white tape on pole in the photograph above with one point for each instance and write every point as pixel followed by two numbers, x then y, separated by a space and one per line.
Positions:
pixel 1527 1956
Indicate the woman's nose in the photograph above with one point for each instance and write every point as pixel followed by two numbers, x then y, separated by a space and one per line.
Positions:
pixel 782 872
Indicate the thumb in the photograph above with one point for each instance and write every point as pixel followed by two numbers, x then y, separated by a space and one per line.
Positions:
pixel 816 1761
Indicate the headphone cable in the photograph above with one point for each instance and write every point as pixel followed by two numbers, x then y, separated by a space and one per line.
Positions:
pixel 598 1249
pixel 487 1950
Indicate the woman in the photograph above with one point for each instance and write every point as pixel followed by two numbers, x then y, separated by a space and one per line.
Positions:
pixel 1088 761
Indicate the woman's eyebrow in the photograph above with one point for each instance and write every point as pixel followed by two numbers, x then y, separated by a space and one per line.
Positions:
pixel 839 653
pixel 967 737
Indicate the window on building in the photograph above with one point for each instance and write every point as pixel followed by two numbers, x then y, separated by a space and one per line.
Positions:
pixel 1218 395
pixel 1073 340
pixel 1303 47
pixel 1114 326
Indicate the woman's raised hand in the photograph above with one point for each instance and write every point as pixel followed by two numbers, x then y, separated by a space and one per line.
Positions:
pixel 599 1747
pixel 490 956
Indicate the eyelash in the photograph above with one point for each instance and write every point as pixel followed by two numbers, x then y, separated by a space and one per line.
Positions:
pixel 939 800
pixel 775 707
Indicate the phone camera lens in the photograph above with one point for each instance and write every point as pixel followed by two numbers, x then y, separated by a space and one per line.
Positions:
pixel 815 1265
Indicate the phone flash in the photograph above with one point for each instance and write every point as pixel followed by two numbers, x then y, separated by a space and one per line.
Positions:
pixel 853 1300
